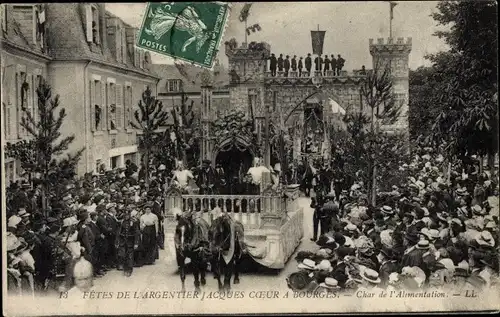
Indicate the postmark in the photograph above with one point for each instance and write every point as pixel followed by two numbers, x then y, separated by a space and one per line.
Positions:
pixel 189 31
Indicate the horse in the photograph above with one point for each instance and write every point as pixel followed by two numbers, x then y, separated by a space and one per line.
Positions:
pixel 191 242
pixel 227 249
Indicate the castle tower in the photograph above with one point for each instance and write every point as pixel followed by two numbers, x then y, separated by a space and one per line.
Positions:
pixel 247 66
pixel 396 54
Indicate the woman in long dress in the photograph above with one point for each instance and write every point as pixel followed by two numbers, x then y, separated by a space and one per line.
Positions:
pixel 149 230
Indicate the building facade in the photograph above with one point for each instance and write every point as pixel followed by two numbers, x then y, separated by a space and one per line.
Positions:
pixel 302 104
pixel 91 63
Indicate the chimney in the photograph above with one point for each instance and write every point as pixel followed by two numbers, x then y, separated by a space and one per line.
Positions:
pixel 131 35
pixel 103 28
pixel 111 34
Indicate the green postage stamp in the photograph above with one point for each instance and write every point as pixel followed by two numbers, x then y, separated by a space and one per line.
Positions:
pixel 190 31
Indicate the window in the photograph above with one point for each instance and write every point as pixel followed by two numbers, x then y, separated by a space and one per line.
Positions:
pixel 96 105
pixel 132 157
pixel 92 20
pixel 114 162
pixel 3 16
pixel 129 114
pixel 119 107
pixel 174 85
pixel 39 24
pixel 111 94
pixel 119 48
pixel 23 88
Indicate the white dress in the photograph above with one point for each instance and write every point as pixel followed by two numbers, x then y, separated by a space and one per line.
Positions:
pixel 183 177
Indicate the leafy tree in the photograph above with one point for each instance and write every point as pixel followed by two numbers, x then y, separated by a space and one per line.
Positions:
pixel 468 121
pixel 424 108
pixel 149 118
pixel 39 155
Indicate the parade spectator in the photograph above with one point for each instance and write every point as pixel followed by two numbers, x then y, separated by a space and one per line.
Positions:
pixel 326 62
pixel 273 64
pixel 280 63
pixel 308 63
pixel 286 65
pixel 294 63
pixel 318 63
pixel 333 63
pixel 340 64
pixel 300 66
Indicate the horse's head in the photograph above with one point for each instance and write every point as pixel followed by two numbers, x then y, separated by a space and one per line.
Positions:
pixel 184 230
pixel 221 233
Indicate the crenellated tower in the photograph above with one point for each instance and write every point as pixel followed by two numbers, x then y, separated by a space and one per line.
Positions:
pixel 247 67
pixel 396 55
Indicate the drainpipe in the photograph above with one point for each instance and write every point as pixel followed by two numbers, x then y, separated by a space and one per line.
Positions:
pixel 85 114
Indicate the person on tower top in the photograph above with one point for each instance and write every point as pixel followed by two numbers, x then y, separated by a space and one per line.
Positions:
pixel 280 63
pixel 308 63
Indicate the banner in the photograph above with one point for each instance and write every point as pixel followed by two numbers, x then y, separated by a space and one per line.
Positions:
pixel 318 38
pixel 245 12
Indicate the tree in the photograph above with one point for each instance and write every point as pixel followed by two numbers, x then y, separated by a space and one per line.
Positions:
pixel 39 155
pixel 149 118
pixel 468 121
pixel 377 92
pixel 423 107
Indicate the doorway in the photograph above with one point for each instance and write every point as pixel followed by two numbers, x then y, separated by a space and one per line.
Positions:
pixel 235 163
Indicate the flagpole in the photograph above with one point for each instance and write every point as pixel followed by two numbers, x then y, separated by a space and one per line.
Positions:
pixel 246 32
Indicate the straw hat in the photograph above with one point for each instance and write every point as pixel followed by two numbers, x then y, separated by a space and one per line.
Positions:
pixel 12 242
pixel 23 213
pixel 485 239
pixel 307 264
pixel 324 265
pixel 478 210
pixel 162 167
pixel 387 210
pixel 371 276
pixel 14 221
pixel 351 228
pixel 70 221
pixel 330 283
pixel 423 245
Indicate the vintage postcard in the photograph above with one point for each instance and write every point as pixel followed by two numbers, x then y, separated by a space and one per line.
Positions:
pixel 242 158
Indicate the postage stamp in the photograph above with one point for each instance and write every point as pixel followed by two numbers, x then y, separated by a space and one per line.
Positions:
pixel 189 31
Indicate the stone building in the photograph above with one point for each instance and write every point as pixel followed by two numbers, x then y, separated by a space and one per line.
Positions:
pixel 90 62
pixel 176 81
pixel 303 105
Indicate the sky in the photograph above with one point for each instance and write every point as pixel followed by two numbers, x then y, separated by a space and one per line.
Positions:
pixel 286 27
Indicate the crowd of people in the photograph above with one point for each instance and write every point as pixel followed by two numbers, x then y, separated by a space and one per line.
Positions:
pixel 321 64
pixel 436 229
pixel 111 219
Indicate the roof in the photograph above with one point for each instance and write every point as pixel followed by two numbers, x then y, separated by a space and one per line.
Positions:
pixel 64 41
pixel 191 76
pixel 16 36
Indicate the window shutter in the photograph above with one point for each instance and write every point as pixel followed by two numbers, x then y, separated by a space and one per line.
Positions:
pixel 92 105
pixel 104 107
pixel 108 103
pixel 119 107
pixel 130 107
pixel 88 20
pixel 18 106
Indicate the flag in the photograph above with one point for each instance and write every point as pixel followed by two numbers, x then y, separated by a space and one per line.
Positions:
pixel 393 4
pixel 318 38
pixel 336 108
pixel 245 12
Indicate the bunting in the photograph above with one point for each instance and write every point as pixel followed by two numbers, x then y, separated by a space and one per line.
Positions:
pixel 393 4
pixel 318 38
pixel 245 12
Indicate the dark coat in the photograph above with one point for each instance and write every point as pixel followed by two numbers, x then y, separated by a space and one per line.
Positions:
pixel 414 258
pixel 386 269
pixel 318 62
pixel 280 63
pixel 308 62
pixel 273 62
pixel 301 64
pixel 327 63
pixel 294 64
pixel 333 62
pixel 286 63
